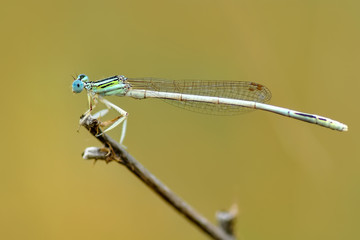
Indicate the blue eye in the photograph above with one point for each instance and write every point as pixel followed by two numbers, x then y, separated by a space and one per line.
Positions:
pixel 83 78
pixel 77 86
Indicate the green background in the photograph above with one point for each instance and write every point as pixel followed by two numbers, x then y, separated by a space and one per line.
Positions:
pixel 291 180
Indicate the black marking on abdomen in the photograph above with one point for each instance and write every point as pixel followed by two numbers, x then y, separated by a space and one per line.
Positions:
pixel 305 115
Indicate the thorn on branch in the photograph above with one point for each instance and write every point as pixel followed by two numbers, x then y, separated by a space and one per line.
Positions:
pixel 226 219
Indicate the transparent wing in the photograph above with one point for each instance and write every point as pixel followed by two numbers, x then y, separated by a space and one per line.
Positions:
pixel 226 89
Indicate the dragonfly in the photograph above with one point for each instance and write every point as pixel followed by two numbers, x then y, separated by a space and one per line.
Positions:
pixel 204 96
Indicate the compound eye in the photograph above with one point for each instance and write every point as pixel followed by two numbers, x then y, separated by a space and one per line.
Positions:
pixel 83 77
pixel 77 86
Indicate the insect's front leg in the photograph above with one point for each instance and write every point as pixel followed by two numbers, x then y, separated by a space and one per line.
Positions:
pixel 92 101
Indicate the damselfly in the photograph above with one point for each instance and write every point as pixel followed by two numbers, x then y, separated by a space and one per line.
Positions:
pixel 213 97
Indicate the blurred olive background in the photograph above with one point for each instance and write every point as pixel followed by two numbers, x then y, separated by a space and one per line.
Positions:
pixel 291 180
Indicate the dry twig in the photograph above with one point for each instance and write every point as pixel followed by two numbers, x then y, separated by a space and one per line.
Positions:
pixel 113 151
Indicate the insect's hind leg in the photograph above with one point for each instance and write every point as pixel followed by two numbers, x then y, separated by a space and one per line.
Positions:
pixel 115 122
